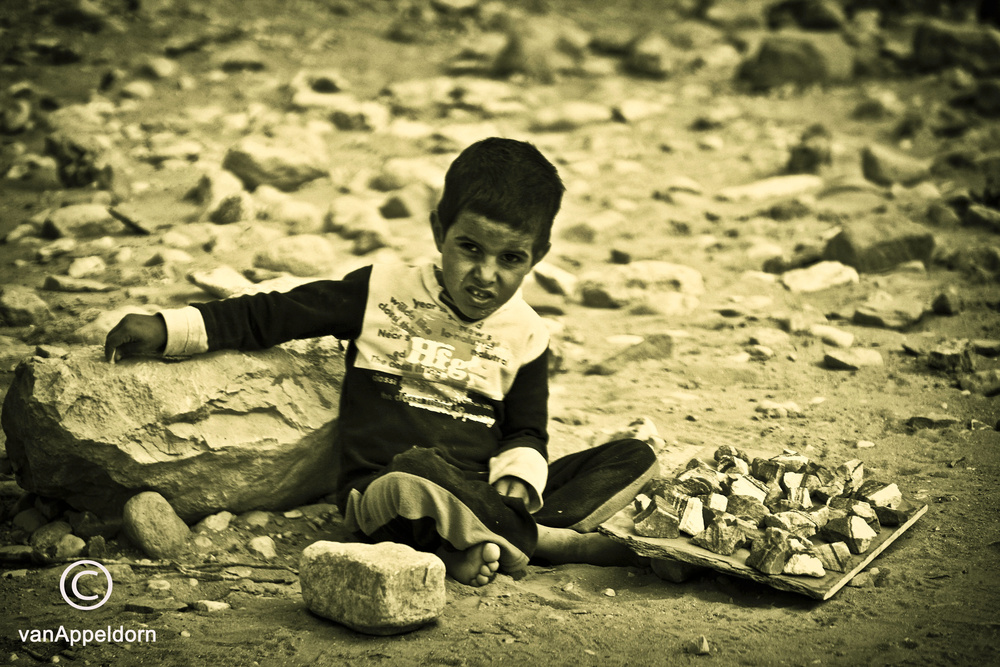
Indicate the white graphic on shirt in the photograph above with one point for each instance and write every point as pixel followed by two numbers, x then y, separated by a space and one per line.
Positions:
pixel 439 364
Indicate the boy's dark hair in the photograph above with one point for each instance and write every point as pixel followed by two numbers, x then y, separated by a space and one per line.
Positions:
pixel 507 181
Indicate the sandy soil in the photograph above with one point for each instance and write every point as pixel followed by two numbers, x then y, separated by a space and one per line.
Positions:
pixel 936 597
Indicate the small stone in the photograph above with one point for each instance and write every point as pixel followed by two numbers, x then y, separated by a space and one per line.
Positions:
pixel 210 606
pixel 883 310
pixel 214 523
pixel 952 356
pixel 20 306
pixel 948 302
pixel 81 221
pixel 255 519
pixel 306 255
pixel 852 360
pixel 68 546
pixel 221 282
pixel 97 547
pixel 75 285
pixel 773 188
pixel 29 520
pixel 555 280
pixel 379 589
pixel 818 277
pixel 262 546
pixel 285 162
pixel 158 585
pixel 864 444
pixel 886 166
pixel 570 115
pixel 237 207
pixel 609 592
pixel 48 536
pixel 987 348
pixel 832 335
pixel 880 244
pixel 982 217
pixel 84 267
pixel 50 351
pixel 931 421
pixel 151 605
pixel 138 90
pixel 150 522
pixel 985 383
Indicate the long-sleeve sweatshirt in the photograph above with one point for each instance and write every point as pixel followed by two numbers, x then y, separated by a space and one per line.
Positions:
pixel 417 374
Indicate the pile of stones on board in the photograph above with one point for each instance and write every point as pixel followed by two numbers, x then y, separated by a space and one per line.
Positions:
pixel 773 507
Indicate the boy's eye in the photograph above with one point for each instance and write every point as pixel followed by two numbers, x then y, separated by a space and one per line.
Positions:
pixel 469 247
pixel 512 259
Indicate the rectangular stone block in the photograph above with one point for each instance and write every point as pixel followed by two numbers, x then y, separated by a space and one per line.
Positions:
pixel 378 589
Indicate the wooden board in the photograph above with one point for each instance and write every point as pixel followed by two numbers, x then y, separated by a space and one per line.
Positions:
pixel 620 528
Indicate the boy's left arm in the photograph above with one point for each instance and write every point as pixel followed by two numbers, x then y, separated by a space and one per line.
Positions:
pixel 523 453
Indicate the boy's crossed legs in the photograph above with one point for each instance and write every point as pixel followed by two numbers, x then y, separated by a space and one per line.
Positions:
pixel 423 501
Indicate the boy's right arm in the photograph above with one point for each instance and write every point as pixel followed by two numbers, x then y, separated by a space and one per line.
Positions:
pixel 252 322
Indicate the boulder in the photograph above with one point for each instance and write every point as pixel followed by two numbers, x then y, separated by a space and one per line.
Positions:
pixel 286 162
pixel 939 45
pixel 880 244
pixel 800 59
pixel 379 589
pixel 224 431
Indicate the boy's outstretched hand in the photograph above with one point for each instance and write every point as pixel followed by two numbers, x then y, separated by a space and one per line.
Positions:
pixel 136 335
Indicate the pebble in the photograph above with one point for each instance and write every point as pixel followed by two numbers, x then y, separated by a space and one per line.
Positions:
pixel 818 277
pixel 700 646
pixel 609 592
pixel 852 360
pixel 215 522
pixel 158 585
pixel 865 444
pixel 150 522
pixel 832 335
pixel 262 546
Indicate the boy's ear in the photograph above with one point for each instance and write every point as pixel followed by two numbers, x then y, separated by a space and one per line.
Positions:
pixel 437 230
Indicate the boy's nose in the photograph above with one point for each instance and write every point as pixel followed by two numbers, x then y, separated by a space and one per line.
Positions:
pixel 486 271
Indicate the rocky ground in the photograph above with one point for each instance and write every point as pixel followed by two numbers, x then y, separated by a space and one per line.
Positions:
pixel 770 240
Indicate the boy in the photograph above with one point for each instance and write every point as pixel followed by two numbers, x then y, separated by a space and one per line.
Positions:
pixel 442 424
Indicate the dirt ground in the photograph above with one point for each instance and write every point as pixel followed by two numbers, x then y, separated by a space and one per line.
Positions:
pixel 936 597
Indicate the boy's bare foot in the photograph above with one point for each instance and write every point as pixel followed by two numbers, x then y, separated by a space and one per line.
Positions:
pixel 476 566
pixel 564 545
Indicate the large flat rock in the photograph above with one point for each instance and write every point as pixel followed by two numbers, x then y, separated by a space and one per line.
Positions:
pixel 221 431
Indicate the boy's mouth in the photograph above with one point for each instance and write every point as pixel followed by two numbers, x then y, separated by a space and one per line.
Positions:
pixel 479 297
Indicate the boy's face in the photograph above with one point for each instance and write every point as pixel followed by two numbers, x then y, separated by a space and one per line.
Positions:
pixel 483 262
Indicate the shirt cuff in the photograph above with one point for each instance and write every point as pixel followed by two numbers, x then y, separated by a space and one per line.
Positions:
pixel 186 333
pixel 526 464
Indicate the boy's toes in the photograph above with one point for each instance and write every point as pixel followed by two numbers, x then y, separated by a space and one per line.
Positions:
pixel 491 555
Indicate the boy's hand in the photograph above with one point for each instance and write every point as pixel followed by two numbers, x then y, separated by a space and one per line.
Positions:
pixel 512 487
pixel 136 335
